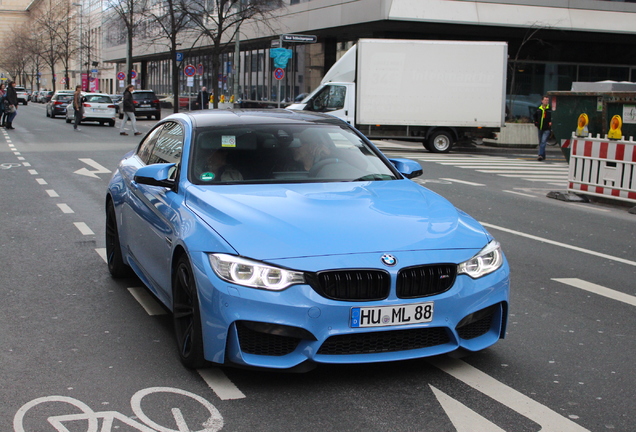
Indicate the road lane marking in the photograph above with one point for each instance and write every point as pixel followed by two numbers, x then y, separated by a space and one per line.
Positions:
pixel 52 193
pixel 83 228
pixel 41 181
pixel 563 245
pixel 26 164
pixel 519 193
pixel 516 401
pixel 598 289
pixel 220 384
pixel 147 301
pixel 65 208
pixel 463 182
pixel 102 253
pixel 463 418
pixel 33 172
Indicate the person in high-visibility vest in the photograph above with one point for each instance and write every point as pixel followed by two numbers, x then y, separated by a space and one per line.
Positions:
pixel 543 121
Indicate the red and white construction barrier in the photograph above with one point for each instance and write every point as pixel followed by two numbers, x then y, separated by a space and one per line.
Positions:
pixel 603 167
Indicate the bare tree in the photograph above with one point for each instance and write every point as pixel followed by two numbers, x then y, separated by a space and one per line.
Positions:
pixel 130 14
pixel 15 57
pixel 513 64
pixel 171 22
pixel 48 20
pixel 219 22
pixel 66 31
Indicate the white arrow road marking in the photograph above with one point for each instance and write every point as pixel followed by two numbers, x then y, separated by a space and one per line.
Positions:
pixel 516 401
pixel 463 418
pixel 598 289
pixel 98 168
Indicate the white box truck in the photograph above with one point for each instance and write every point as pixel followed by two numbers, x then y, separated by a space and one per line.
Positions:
pixel 436 92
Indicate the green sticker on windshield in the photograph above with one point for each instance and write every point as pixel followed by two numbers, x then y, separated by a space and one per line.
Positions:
pixel 207 176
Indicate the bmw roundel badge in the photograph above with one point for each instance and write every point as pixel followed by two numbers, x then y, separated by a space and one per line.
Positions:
pixel 389 260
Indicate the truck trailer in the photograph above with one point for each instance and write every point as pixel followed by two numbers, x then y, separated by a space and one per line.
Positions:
pixel 435 92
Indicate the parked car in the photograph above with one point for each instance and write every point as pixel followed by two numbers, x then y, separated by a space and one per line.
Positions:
pixel 146 104
pixel 98 107
pixel 283 239
pixel 116 99
pixel 46 96
pixel 23 96
pixel 58 103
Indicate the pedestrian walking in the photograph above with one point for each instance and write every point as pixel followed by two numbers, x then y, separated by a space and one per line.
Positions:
pixel 78 107
pixel 543 122
pixel 129 111
pixel 11 108
pixel 203 98
pixel 3 114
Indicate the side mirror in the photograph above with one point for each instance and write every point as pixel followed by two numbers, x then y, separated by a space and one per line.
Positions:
pixel 407 167
pixel 156 175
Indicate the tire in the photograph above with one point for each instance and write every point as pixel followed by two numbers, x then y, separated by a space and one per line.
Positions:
pixel 149 117
pixel 157 117
pixel 68 120
pixel 186 315
pixel 111 123
pixel 47 113
pixel 440 142
pixel 24 103
pixel 121 116
pixel 116 265
pixel 52 115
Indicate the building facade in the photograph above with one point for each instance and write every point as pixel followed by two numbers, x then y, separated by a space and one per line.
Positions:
pixel 551 43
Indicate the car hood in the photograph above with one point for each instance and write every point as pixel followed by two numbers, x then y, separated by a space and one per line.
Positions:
pixel 313 219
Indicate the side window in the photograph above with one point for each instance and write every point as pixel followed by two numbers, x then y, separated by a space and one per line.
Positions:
pixel 331 98
pixel 169 145
pixel 146 147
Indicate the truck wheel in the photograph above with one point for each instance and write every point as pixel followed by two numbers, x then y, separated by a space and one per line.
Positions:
pixel 440 142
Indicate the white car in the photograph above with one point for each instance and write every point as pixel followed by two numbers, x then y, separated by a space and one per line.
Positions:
pixel 23 96
pixel 98 107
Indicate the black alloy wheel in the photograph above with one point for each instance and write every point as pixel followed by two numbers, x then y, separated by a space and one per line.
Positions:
pixel 186 316
pixel 116 265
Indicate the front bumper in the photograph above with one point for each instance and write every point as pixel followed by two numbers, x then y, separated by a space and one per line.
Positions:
pixel 259 328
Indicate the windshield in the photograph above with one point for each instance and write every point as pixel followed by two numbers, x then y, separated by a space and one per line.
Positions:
pixel 283 154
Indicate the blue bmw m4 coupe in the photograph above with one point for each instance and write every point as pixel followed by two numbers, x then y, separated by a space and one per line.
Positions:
pixel 283 239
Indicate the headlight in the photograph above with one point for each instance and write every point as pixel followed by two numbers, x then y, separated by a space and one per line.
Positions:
pixel 486 261
pixel 253 274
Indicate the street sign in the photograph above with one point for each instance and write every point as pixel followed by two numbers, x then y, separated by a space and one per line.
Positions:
pixel 179 56
pixel 299 38
pixel 200 69
pixel 133 74
pixel 279 73
pixel 189 70
pixel 121 76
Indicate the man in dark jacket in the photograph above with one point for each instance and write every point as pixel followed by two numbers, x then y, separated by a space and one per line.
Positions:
pixel 78 107
pixel 203 99
pixel 12 98
pixel 129 111
pixel 543 122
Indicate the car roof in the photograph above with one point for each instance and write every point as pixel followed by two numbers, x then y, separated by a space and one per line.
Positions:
pixel 237 117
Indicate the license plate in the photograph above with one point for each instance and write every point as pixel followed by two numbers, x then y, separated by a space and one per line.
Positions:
pixel 144 106
pixel 381 316
pixel 99 109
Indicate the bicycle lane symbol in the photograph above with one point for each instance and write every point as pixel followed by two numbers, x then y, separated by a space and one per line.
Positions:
pixel 9 165
pixel 213 423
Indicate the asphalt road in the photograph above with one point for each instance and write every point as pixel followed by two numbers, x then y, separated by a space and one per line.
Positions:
pixel 83 352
